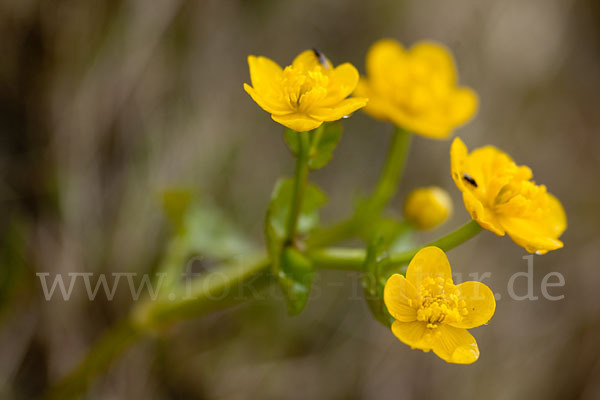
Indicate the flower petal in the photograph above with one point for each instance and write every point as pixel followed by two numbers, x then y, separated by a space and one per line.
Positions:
pixel 484 164
pixel 437 57
pixel 269 105
pixel 539 235
pixel 484 217
pixel 455 345
pixel 479 165
pixel 398 295
pixel 307 60
pixel 311 97
pixel 429 262
pixel 342 81
pixel 458 156
pixel 476 167
pixel 415 334
pixel 432 127
pixel 462 106
pixel 297 122
pixel 382 56
pixel 378 106
pixel 530 236
pixel 480 304
pixel 263 72
pixel 346 76
pixel 556 220
pixel 340 110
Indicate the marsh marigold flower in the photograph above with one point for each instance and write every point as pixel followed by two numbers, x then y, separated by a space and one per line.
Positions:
pixel 427 207
pixel 432 313
pixel 416 89
pixel 502 198
pixel 305 94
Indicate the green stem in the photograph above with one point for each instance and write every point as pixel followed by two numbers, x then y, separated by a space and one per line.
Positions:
pixel 332 234
pixel 211 291
pixel 386 188
pixel 353 259
pixel 215 290
pixel 175 256
pixel 315 139
pixel 392 172
pixel 448 242
pixel 338 258
pixel 300 178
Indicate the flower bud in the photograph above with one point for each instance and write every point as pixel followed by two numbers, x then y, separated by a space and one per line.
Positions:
pixel 427 207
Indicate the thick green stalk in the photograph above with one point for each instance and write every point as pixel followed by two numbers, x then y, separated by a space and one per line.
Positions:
pixel 338 258
pixel 332 234
pixel 370 210
pixel 214 290
pixel 300 178
pixel 448 242
pixel 392 172
pixel 353 259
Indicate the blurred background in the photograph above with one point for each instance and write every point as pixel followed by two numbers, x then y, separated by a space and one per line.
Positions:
pixel 105 104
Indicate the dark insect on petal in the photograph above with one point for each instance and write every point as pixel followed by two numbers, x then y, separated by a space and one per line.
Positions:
pixel 470 179
pixel 322 59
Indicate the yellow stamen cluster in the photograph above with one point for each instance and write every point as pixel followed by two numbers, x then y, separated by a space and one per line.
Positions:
pixel 439 303
pixel 502 197
pixel 523 199
pixel 432 313
pixel 416 88
pixel 306 93
pixel 302 86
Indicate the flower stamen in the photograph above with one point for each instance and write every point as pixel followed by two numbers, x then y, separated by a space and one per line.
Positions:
pixel 439 303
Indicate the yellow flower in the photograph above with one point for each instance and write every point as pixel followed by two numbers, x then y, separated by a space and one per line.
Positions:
pixel 416 89
pixel 306 93
pixel 427 207
pixel 502 198
pixel 432 313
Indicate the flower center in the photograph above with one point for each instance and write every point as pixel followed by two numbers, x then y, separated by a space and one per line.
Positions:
pixel 416 87
pixel 439 303
pixel 507 189
pixel 303 87
pixel 520 198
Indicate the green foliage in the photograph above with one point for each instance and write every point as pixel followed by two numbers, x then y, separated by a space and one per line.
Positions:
pixel 323 141
pixel 377 258
pixel 386 236
pixel 293 271
pixel 203 228
pixel 295 279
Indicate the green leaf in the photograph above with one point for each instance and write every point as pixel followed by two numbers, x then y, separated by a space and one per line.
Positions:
pixel 394 235
pixel 291 140
pixel 402 240
pixel 278 212
pixel 323 141
pixel 321 149
pixel 211 233
pixel 292 270
pixel 295 279
pixel 377 258
pixel 201 227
